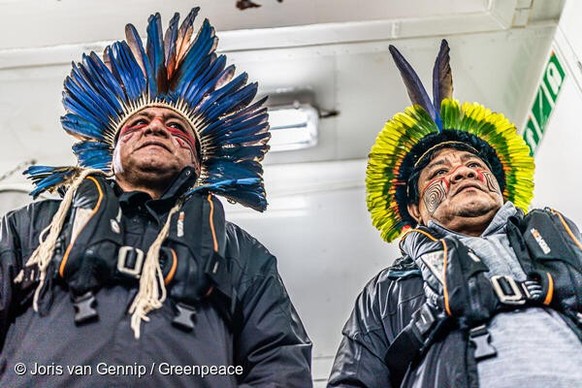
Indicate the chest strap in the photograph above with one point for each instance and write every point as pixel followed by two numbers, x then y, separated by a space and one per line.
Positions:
pixel 428 323
pixel 191 257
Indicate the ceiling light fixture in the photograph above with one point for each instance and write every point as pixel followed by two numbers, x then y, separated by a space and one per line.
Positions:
pixel 293 127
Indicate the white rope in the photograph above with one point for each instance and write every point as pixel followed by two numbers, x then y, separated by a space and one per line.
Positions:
pixel 152 290
pixel 43 254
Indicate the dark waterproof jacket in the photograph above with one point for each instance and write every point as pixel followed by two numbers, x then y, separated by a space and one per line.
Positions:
pixel 382 311
pixel 260 333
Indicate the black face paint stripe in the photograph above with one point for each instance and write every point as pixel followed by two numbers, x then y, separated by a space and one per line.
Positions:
pixel 491 182
pixel 434 195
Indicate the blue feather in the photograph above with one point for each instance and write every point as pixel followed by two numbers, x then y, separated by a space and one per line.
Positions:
pixel 101 96
pixel 104 82
pixel 49 178
pixel 231 102
pixel 244 153
pixel 240 130
pixel 87 95
pixel 78 127
pixel 139 53
pixel 195 62
pixel 170 40
pixel 75 107
pixel 414 87
pixel 155 55
pixel 225 76
pixel 185 32
pixel 230 90
pixel 126 69
pixel 93 154
pixel 442 79
pixel 247 191
pixel 205 82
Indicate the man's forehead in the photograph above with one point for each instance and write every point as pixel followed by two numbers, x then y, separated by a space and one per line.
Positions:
pixel 152 111
pixel 447 155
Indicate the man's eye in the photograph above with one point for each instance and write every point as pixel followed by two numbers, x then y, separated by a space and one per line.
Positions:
pixel 474 164
pixel 176 126
pixel 439 172
pixel 139 122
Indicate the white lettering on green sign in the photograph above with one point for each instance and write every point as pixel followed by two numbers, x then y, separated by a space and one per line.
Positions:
pixel 544 102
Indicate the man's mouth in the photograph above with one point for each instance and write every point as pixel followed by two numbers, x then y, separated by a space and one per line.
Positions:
pixel 467 186
pixel 154 143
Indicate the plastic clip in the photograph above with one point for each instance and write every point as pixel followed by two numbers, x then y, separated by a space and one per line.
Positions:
pixel 184 318
pixel 481 338
pixel 85 308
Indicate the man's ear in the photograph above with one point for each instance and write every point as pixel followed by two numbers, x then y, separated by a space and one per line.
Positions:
pixel 414 211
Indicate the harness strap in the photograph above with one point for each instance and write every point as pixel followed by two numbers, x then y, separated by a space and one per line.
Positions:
pixel 428 322
pixel 425 323
pixel 216 270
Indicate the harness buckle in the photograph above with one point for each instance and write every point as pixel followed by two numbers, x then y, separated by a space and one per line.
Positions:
pixel 508 290
pixel 85 308
pixel 184 318
pixel 481 339
pixel 130 261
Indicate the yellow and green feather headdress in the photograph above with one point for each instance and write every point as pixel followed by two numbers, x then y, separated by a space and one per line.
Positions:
pixel 443 122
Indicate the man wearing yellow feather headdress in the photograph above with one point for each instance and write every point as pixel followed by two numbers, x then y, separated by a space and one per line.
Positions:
pixel 484 294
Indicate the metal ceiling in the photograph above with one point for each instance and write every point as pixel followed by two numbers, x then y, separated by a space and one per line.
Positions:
pixel 334 48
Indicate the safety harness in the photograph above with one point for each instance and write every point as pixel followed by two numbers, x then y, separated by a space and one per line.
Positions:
pixel 96 254
pixel 459 295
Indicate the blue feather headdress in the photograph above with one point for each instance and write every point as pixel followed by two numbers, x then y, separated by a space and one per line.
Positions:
pixel 179 71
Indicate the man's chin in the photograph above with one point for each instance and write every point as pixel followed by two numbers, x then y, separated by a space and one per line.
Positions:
pixel 156 171
pixel 477 208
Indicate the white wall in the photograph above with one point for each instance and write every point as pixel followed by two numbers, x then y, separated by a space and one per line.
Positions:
pixel 318 227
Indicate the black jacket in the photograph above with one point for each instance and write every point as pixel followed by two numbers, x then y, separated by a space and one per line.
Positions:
pixel 385 308
pixel 263 336
pixel 382 310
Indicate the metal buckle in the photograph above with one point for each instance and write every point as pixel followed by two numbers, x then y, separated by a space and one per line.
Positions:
pixel 123 255
pixel 507 290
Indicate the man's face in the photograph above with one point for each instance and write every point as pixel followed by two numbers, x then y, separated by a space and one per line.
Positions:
pixel 154 145
pixel 458 190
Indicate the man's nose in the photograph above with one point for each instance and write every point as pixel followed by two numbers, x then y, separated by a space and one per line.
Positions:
pixel 462 172
pixel 157 127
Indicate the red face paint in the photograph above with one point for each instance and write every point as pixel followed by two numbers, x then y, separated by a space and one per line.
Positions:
pixel 436 190
pixel 131 129
pixel 185 138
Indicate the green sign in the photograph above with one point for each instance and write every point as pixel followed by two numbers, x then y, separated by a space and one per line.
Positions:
pixel 544 102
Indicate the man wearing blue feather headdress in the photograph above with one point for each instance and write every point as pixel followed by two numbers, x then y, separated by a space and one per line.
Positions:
pixel 135 277
pixel 484 293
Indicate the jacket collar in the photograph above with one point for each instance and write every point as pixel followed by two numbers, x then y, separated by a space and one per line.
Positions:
pixel 182 182
pixel 496 225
